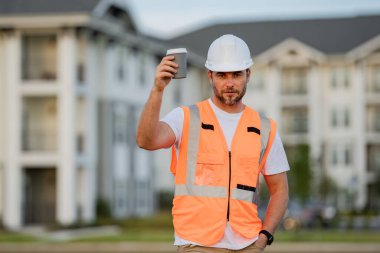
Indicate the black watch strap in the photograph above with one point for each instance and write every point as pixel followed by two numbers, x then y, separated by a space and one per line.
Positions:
pixel 268 235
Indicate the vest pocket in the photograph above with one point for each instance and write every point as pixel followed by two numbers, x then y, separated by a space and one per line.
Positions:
pixel 248 170
pixel 209 169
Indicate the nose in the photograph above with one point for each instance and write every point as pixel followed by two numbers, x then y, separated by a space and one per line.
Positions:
pixel 230 81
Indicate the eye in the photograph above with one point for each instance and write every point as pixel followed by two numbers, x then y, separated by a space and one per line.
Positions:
pixel 220 74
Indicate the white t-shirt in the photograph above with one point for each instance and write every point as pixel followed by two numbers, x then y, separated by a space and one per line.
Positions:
pixel 276 163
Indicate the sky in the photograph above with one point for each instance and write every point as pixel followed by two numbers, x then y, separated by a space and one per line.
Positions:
pixel 169 18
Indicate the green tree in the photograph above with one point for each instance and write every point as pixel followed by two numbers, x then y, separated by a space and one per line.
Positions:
pixel 300 173
pixel 327 188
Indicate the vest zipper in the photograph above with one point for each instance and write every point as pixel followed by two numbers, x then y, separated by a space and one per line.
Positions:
pixel 229 185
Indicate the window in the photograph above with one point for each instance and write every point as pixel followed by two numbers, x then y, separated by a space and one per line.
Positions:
pixel 346 78
pixel 300 122
pixel 374 78
pixel 120 65
pixel 80 124
pixel 374 157
pixel 377 120
pixel 39 124
pixel 341 155
pixel 334 118
pixel 339 77
pixel 294 80
pixel 340 118
pixel 373 118
pixel 81 59
pixel 142 73
pixel 39 57
pixel 120 123
pixel 295 120
pixel 335 156
pixel 347 156
pixel 347 119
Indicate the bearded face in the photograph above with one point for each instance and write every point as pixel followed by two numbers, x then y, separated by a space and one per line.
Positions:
pixel 229 87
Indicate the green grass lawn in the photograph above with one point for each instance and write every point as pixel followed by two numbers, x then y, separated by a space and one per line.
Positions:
pixel 155 235
pixel 166 235
pixel 359 236
pixel 15 237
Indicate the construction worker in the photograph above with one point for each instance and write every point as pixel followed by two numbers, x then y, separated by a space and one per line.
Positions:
pixel 220 147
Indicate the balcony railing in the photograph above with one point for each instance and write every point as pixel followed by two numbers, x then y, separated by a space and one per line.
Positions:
pixel 39 140
pixel 294 81
pixel 373 79
pixel 295 120
pixel 373 119
pixel 373 154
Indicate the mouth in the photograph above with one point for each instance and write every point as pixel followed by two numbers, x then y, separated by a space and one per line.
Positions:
pixel 230 93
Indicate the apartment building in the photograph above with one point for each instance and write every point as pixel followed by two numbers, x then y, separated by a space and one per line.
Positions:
pixel 319 79
pixel 74 76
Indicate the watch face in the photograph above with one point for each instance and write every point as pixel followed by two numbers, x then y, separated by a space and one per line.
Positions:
pixel 268 235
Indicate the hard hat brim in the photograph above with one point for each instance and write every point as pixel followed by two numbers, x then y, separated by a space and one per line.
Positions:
pixel 228 67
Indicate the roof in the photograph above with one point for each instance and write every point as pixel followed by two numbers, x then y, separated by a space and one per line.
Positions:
pixel 330 35
pixel 97 9
pixel 14 7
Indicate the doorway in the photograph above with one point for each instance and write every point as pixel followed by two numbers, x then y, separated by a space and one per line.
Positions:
pixel 39 196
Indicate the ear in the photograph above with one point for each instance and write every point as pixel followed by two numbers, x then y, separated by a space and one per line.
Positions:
pixel 248 74
pixel 209 75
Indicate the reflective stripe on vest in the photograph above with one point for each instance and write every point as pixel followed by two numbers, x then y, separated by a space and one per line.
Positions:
pixel 264 133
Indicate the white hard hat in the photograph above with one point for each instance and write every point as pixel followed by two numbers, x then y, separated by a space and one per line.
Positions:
pixel 228 53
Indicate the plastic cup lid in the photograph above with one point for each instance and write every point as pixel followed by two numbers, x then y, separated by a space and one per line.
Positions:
pixel 176 51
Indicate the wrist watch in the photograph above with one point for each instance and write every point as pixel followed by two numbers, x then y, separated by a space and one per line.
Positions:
pixel 268 235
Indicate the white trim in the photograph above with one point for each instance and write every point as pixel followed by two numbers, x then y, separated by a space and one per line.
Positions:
pixel 45 21
pixel 277 52
pixel 365 49
pixel 39 159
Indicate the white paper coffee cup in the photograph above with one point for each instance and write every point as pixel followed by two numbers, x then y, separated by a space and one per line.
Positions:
pixel 180 57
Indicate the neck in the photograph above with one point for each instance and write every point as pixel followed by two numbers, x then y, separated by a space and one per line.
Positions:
pixel 236 108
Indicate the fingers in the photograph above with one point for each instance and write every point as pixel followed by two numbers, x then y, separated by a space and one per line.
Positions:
pixel 167 67
pixel 165 72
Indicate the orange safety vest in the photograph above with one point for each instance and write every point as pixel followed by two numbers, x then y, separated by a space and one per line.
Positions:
pixel 213 184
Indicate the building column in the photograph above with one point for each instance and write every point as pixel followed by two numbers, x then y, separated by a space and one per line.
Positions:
pixel 12 218
pixel 89 212
pixel 315 122
pixel 274 91
pixel 359 177
pixel 2 121
pixel 66 183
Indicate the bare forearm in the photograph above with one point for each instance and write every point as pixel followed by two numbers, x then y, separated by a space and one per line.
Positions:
pixel 149 119
pixel 275 211
pixel 151 134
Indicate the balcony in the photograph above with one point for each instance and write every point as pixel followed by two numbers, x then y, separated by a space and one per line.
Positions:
pixel 373 84
pixel 295 124
pixel 373 158
pixel 295 120
pixel 373 79
pixel 39 124
pixel 294 81
pixel 373 123
pixel 39 57
pixel 39 140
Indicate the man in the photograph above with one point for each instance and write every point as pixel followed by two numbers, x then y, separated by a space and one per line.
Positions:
pixel 220 146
